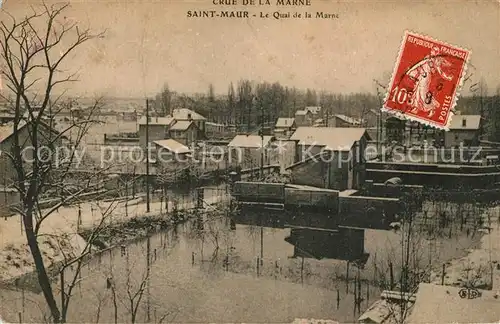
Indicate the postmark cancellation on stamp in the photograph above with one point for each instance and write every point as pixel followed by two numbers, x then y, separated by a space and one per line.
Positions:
pixel 426 81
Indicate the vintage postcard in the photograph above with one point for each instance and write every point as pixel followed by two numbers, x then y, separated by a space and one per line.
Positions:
pixel 249 161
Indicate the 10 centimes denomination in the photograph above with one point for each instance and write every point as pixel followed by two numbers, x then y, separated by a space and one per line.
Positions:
pixel 426 81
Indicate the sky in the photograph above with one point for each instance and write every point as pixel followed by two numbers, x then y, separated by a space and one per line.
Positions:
pixel 148 43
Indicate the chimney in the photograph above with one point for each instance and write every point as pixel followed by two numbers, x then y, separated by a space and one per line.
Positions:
pixel 156 118
pixel 189 117
pixel 464 122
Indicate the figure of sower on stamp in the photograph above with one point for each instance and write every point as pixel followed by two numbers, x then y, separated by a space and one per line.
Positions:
pixel 426 81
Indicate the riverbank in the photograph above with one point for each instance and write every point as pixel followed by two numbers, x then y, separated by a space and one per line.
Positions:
pixel 481 266
pixel 59 234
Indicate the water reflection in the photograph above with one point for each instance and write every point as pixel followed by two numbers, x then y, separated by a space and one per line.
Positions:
pixel 249 268
pixel 342 244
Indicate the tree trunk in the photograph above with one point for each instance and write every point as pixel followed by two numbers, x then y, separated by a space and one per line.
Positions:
pixel 43 278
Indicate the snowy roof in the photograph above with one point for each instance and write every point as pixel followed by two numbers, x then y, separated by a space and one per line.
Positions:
pixel 442 304
pixel 7 130
pixel 173 146
pixel 333 138
pixel 378 312
pixel 166 121
pixel 347 119
pixel 285 122
pixel 313 109
pixel 186 114
pixel 313 321
pixel 181 125
pixel 250 141
pixel 301 112
pixel 471 122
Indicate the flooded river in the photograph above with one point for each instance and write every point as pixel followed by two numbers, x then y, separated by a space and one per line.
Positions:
pixel 209 270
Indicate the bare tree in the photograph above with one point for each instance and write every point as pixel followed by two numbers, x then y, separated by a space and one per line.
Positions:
pixel 33 52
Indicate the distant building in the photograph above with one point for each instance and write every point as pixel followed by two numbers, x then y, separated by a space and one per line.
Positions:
pixel 158 129
pixel 184 131
pixel 6 116
pixel 284 127
pixel 464 129
pixel 395 129
pixel 169 154
pixel 247 150
pixel 409 133
pixel 303 118
pixel 47 136
pixel 339 120
pixel 184 114
pixel 315 110
pixel 329 157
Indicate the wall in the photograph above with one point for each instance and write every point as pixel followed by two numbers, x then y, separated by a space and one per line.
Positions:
pixel 312 199
pixel 186 137
pixel 310 173
pixel 368 212
pixel 303 120
pixel 7 170
pixel 8 198
pixel 285 154
pixel 156 132
pixel 327 172
pixel 334 121
pixel 454 137
pixel 283 132
pixel 259 191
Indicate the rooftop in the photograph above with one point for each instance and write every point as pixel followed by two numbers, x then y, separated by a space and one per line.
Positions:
pixel 7 130
pixel 313 109
pixel 285 122
pixel 333 138
pixel 185 114
pixel 301 112
pixel 347 119
pixel 471 122
pixel 250 141
pixel 173 146
pixel 181 125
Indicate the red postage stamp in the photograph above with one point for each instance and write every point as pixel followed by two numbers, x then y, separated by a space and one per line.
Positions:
pixel 426 81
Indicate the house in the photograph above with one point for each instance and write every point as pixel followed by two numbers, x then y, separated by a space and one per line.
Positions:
pixel 464 129
pixel 395 129
pixel 339 120
pixel 47 136
pixel 184 131
pixel 315 110
pixel 329 157
pixel 6 116
pixel 447 304
pixel 284 127
pixel 217 130
pixel 407 132
pixel 248 150
pixel 158 129
pixel 170 153
pixel 303 118
pixel 184 114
